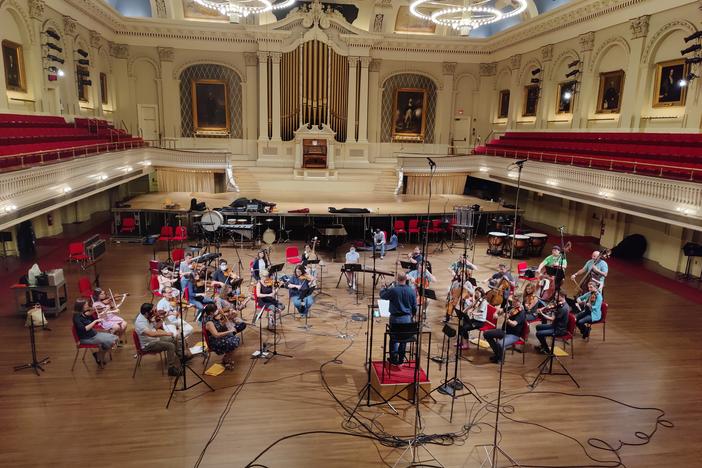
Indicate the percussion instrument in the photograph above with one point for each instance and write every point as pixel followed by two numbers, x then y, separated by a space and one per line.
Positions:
pixel 520 244
pixel 496 242
pixel 268 236
pixel 537 240
pixel 211 221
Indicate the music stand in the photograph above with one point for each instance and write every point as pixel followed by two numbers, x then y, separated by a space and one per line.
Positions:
pixel 35 363
pixel 355 268
pixel 319 291
pixel 407 265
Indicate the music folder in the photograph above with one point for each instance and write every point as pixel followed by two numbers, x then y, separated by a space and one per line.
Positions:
pixel 406 265
pixel 428 293
pixel 276 268
pixel 352 267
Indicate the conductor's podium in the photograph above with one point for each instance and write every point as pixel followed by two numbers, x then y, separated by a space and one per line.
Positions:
pixel 396 382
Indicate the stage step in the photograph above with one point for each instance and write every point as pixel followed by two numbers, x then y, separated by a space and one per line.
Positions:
pixel 245 180
pixel 387 181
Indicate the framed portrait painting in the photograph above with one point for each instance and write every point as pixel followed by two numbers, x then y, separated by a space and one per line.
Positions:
pixel 609 98
pixel 503 104
pixel 564 99
pixel 667 91
pixel 531 100
pixel 409 114
pixel 103 89
pixel 210 105
pixel 13 60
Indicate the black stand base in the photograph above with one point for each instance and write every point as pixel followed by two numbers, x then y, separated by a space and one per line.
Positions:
pixel 36 365
pixel 546 368
pixel 365 394
pixel 185 386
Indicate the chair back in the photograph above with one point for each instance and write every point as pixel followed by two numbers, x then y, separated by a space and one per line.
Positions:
pixel 75 248
pixel 181 232
pixel 436 223
pixel 177 255
pixel 292 251
pixel 128 224
pixel 413 223
pixel 491 310
pixel 137 343
pixel 525 332
pixel 153 282
pixel 604 308
pixel 85 287
pixel 404 332
pixel 153 265
pixel 75 335
pixel 166 231
pixel 206 335
pixel 571 324
pixel 522 267
pixel 399 225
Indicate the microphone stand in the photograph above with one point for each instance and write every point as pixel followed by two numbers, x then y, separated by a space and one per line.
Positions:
pixel 184 366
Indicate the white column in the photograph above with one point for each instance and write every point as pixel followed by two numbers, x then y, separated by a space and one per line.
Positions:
pixel 275 59
pixel 444 108
pixel 516 92
pixel 171 93
pixel 633 97
pixel 363 102
pixel 374 97
pixel 3 94
pixel 263 96
pixel 249 97
pixel 351 117
pixel 581 106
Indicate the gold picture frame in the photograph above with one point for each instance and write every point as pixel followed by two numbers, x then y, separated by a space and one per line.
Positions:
pixel 609 97
pixel 503 104
pixel 104 96
pixel 212 114
pixel 531 100
pixel 83 92
pixel 409 119
pixel 13 60
pixel 563 105
pixel 667 92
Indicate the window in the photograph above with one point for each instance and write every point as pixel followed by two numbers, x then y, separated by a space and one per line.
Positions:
pixel 503 105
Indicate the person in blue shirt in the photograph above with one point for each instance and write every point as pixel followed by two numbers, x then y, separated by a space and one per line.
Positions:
pixel 597 267
pixel 590 306
pixel 403 307
pixel 300 289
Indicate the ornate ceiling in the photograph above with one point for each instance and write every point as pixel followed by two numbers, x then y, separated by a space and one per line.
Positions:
pixel 360 13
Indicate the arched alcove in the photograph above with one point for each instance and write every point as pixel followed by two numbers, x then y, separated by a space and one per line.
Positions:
pixel 389 114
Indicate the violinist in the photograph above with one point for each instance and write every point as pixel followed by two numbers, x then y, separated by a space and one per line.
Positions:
pixel 300 288
pixel 223 340
pixel 555 264
pixel 167 307
pixel 107 311
pixel 415 258
pixel 531 301
pixel 166 278
pixel 503 275
pixel 596 267
pixel 509 333
pixel 589 306
pixel 306 255
pixel 261 262
pixel 154 339
pixel 267 291
pixel 84 323
pixel 474 315
pixel 187 282
pixel 223 278
pixel 556 318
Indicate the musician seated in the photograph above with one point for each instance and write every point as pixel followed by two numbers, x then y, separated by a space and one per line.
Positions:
pixel 597 268
pixel 557 323
pixel 474 315
pixel 166 278
pixel 85 323
pixel 589 307
pixel 223 279
pixel 168 308
pixel 403 307
pixel 556 262
pixel 306 255
pixel 259 263
pixel 503 274
pixel 154 338
pixel 300 288
pixel 107 311
pixel 500 339
pixel 223 340
pixel 266 292
pixel 531 302
pixel 351 257
pixel 462 265
pixel 416 276
pixel 415 258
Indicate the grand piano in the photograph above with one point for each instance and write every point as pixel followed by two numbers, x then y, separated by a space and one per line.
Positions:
pixel 331 237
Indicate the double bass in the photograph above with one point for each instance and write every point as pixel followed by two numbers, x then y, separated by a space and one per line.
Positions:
pixel 455 296
pixel 582 284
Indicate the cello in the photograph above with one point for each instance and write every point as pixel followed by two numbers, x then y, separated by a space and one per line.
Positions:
pixel 495 295
pixel 582 284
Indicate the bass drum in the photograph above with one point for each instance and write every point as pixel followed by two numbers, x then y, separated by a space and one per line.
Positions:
pixel 268 236
pixel 211 221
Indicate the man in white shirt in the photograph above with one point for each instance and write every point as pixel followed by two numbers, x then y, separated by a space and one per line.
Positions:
pixel 351 257
pixel 154 339
pixel 172 321
pixel 379 241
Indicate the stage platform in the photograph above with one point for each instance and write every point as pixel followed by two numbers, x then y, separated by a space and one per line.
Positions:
pixel 395 381
pixel 318 203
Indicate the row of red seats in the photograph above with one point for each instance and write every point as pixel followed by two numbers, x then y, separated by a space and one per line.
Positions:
pixel 18 120
pixel 81 122
pixel 682 139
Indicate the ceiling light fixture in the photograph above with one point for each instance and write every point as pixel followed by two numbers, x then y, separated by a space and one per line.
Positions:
pixel 465 15
pixel 236 8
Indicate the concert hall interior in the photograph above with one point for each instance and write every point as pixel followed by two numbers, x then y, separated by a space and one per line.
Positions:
pixel 297 233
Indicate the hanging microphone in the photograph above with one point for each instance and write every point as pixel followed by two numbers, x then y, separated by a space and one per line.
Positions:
pixel 561 228
pixel 431 162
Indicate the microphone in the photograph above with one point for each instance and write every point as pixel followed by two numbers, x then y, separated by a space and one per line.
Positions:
pixel 561 228
pixel 431 162
pixel 521 162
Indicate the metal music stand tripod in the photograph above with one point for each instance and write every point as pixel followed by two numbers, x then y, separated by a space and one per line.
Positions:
pixel 355 268
pixel 35 363
pixel 275 269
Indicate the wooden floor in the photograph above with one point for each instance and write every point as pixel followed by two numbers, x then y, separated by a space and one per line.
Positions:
pixel 104 417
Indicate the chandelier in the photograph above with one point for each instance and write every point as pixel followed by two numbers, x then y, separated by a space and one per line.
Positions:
pixel 244 7
pixel 466 15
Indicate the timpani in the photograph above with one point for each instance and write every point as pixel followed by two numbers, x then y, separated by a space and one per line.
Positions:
pixel 537 241
pixel 496 243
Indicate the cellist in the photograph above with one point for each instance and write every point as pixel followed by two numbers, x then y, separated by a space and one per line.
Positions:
pixel 503 275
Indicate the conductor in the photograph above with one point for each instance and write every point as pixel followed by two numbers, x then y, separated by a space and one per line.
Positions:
pixel 403 307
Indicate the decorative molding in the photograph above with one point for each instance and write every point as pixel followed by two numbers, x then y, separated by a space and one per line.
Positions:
pixel 155 64
pixel 437 81
pixel 262 56
pixel 547 53
pixel 374 66
pixel 639 26
pixel 488 69
pixel 606 45
pixel 166 54
pixel 36 9
pixel 528 67
pixel 120 51
pixel 587 41
pixel 568 54
pixel 276 57
pixel 515 62
pixel 365 62
pixel 378 23
pixel 250 59
pixel 70 26
pixel 663 32
pixel 448 68
pixel 353 61
pixel 177 71
pixel 161 11
pixel 95 39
